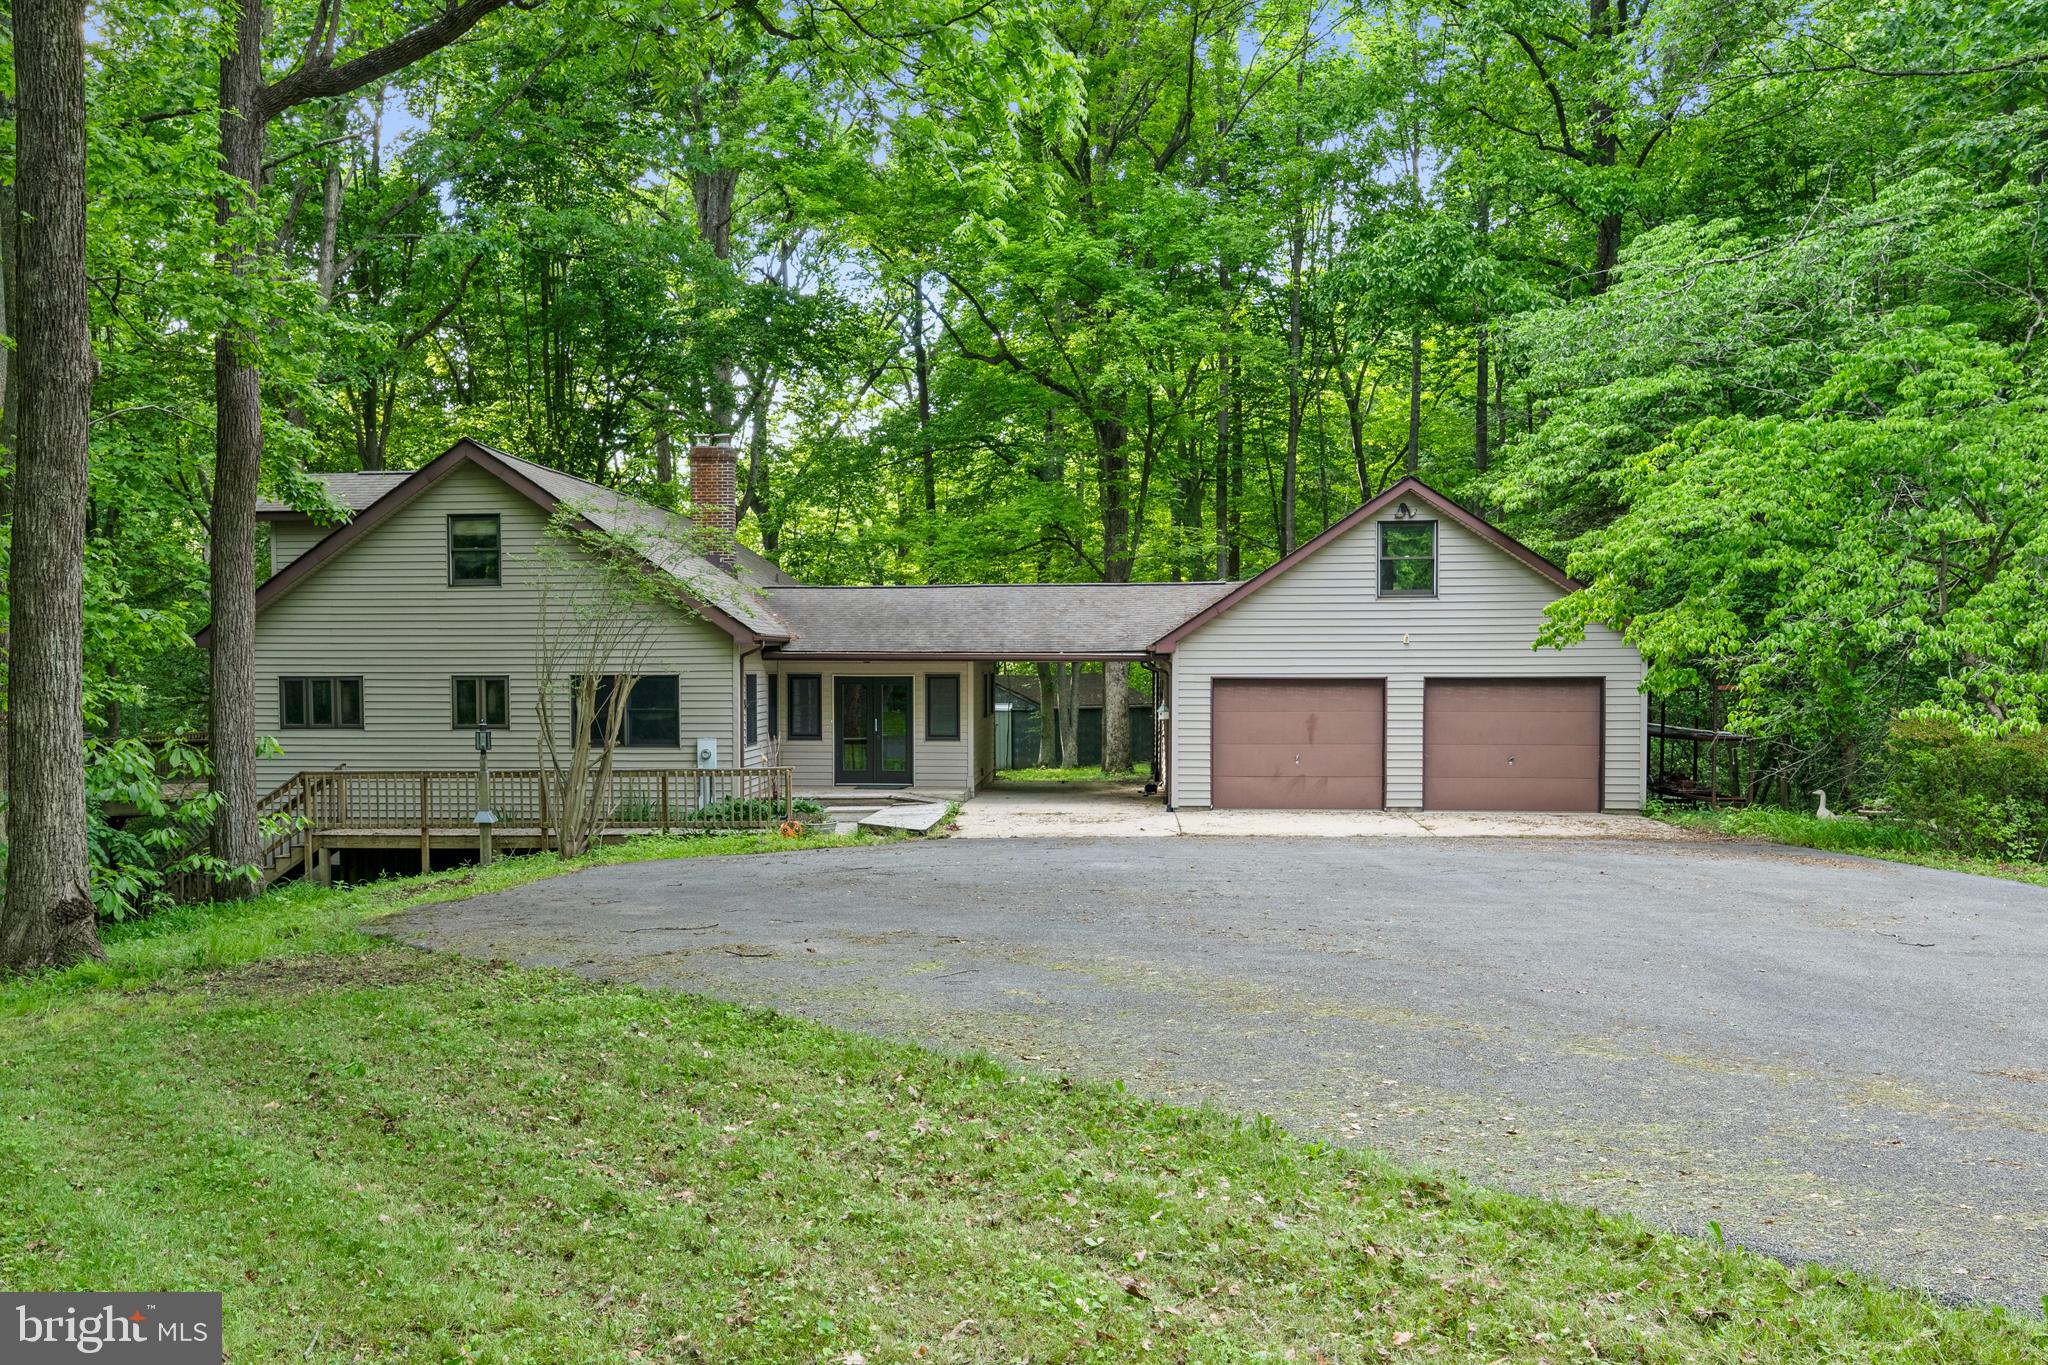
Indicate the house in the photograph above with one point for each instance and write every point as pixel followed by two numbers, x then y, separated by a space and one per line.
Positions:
pixel 1390 661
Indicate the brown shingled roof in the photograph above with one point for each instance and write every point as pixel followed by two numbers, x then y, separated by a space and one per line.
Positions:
pixel 352 489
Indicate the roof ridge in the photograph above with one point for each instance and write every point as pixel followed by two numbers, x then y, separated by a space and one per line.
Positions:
pixel 1081 583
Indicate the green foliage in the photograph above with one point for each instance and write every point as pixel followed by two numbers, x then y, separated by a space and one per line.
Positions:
pixel 1082 774
pixel 727 811
pixel 148 811
pixel 1976 794
pixel 1847 518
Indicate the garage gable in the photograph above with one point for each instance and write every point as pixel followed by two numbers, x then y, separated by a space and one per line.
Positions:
pixel 1408 501
pixel 1320 618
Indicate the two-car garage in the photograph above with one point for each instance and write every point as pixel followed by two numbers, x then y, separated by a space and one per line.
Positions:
pixel 1407 659
pixel 1487 744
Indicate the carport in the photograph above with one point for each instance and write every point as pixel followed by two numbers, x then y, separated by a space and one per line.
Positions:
pixel 898 685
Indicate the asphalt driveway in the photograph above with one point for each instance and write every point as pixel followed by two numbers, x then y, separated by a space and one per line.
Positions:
pixel 1830 1058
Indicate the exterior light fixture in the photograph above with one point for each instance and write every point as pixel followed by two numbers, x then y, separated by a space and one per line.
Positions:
pixel 485 818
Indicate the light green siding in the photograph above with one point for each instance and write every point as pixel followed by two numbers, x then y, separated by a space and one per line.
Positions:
pixel 385 611
pixel 291 537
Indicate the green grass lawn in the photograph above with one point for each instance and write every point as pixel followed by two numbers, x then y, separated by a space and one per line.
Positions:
pixel 1085 774
pixel 383 1154
pixel 1844 834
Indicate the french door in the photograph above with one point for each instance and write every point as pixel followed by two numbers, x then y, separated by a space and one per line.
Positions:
pixel 872 725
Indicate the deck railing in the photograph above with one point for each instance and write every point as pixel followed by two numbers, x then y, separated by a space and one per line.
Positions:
pixel 637 800
pixel 438 806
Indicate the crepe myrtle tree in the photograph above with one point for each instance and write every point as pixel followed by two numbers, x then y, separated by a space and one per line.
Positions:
pixel 604 593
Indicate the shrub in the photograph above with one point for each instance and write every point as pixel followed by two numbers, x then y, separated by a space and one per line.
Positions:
pixel 755 810
pixel 734 810
pixel 1987 797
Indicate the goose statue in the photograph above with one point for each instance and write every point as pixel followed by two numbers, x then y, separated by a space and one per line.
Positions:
pixel 1822 812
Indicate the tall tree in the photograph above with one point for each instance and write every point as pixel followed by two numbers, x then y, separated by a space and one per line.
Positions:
pixel 48 917
pixel 248 104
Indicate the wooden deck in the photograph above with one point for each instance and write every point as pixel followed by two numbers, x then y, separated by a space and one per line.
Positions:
pixel 307 817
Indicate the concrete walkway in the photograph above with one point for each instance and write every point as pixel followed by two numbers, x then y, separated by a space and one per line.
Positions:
pixel 1092 810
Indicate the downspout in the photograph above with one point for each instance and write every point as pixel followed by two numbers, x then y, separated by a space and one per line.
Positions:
pixel 1161 674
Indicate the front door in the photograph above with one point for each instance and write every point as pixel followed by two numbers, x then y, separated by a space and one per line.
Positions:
pixel 873 729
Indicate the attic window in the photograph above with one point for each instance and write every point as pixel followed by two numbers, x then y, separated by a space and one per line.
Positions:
pixel 1407 558
pixel 473 551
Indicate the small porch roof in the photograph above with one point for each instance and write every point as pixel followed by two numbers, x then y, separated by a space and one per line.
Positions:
pixel 1022 622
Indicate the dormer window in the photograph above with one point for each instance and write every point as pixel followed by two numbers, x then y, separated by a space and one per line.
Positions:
pixel 473 550
pixel 1407 558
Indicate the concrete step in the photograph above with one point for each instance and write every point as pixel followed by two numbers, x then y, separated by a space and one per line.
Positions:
pixel 918 819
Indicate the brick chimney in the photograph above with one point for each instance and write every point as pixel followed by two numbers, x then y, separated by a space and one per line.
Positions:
pixel 714 500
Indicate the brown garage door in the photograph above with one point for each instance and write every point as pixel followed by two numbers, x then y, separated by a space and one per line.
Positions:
pixel 1288 745
pixel 1500 745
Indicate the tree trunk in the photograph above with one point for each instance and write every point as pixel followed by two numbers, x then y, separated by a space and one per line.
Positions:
pixel 1290 471
pixel 759 491
pixel 1500 402
pixel 1482 448
pixel 1223 463
pixel 1070 715
pixel 664 451
pixel 238 463
pixel 1112 497
pixel 1048 696
pixel 1235 502
pixel 1606 251
pixel 1116 717
pixel 10 407
pixel 713 193
pixel 48 918
pixel 922 372
pixel 1414 459
pixel 1606 19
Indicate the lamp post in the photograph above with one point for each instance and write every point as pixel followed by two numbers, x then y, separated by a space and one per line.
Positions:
pixel 484 818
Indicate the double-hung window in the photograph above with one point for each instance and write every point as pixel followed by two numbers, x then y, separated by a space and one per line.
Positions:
pixel 806 714
pixel 652 719
pixel 320 703
pixel 1407 558
pixel 480 701
pixel 942 706
pixel 753 704
pixel 475 555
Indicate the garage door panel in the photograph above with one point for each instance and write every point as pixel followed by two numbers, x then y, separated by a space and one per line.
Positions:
pixel 1312 793
pixel 1530 760
pixel 1293 744
pixel 1455 695
pixel 1490 744
pixel 1298 727
pixel 1486 793
pixel 1580 727
pixel 1293 760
